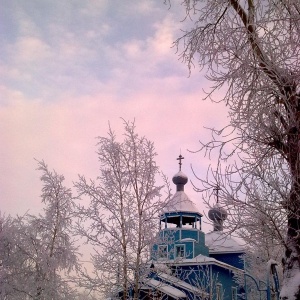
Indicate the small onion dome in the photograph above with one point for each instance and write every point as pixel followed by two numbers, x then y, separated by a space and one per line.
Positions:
pixel 180 179
pixel 218 215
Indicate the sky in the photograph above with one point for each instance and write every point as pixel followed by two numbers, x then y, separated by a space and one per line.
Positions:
pixel 69 68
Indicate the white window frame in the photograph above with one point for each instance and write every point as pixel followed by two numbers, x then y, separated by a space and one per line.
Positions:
pixel 219 292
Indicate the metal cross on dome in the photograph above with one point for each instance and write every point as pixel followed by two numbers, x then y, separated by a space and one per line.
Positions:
pixel 180 158
pixel 217 189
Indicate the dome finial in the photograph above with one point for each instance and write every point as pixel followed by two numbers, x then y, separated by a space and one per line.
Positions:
pixel 217 189
pixel 180 179
pixel 180 158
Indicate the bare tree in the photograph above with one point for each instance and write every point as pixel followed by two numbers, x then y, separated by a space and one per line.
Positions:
pixel 122 216
pixel 251 51
pixel 253 201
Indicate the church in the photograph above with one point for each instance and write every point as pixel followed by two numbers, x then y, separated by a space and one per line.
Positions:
pixel 187 264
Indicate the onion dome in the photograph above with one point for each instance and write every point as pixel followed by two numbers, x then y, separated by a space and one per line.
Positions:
pixel 180 179
pixel 218 215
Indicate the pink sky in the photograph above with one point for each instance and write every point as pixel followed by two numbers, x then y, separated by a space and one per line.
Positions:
pixel 60 85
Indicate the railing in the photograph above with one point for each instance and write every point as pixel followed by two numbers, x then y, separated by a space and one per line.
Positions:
pixel 272 270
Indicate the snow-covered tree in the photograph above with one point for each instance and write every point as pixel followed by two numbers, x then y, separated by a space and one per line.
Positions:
pixel 39 251
pixel 253 203
pixel 122 215
pixel 10 261
pixel 258 270
pixel 251 52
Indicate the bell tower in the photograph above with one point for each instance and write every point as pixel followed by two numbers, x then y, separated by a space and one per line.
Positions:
pixel 180 234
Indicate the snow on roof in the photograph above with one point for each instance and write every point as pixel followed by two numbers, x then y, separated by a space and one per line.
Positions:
pixel 221 242
pixel 200 260
pixel 188 240
pixel 182 284
pixel 180 174
pixel 180 203
pixel 165 288
pixel 162 267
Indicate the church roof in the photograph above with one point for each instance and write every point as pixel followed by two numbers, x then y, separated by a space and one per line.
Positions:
pixel 180 202
pixel 182 284
pixel 198 260
pixel 221 242
pixel 165 288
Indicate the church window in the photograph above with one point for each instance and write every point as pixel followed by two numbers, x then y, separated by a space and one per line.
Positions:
pixel 162 251
pixel 179 251
pixel 198 223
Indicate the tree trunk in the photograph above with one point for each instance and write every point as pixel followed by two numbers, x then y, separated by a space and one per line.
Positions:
pixel 291 261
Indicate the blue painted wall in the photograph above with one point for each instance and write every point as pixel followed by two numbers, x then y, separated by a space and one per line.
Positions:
pixel 233 259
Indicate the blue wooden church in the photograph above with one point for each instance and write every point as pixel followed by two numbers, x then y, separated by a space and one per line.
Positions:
pixel 188 264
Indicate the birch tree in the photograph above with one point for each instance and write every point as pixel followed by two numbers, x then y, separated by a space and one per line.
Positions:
pixel 250 50
pixel 122 215
pixel 10 261
pixel 54 247
pixel 38 252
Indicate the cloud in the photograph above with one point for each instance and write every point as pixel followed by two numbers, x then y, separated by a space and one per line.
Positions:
pixel 63 81
pixel 29 50
pixel 164 36
pixel 61 56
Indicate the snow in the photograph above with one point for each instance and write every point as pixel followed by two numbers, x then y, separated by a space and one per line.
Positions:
pixel 182 284
pixel 181 203
pixel 199 260
pixel 221 242
pixel 202 259
pixel 180 174
pixel 188 240
pixel 291 285
pixel 165 288
pixel 270 263
pixel 162 267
